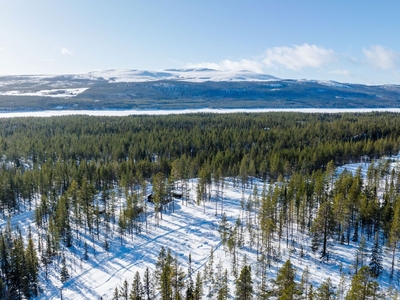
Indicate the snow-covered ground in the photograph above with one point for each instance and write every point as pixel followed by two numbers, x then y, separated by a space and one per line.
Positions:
pixel 121 113
pixel 53 93
pixel 187 230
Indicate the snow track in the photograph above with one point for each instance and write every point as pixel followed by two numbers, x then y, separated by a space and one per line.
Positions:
pixel 189 230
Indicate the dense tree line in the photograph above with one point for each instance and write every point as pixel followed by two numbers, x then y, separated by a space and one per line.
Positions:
pixel 19 265
pixel 170 282
pixel 65 169
pixel 46 155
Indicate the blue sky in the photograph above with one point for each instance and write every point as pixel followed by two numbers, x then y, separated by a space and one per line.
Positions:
pixel 347 41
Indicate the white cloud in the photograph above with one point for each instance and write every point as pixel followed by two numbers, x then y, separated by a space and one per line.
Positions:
pixel 381 57
pixel 65 51
pixel 340 72
pixel 294 58
pixel 298 57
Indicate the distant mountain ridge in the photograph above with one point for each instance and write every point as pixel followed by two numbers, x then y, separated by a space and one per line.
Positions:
pixel 185 89
pixel 190 75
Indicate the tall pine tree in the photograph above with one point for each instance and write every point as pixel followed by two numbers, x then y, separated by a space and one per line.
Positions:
pixel 244 284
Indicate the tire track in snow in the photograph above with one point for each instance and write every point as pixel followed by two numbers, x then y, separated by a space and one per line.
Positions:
pixel 74 282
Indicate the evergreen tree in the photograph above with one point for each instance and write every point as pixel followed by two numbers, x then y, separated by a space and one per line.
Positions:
pixel 244 284
pixel 159 194
pixel 198 288
pixel 2 289
pixel 190 283
pixel 47 254
pixel 124 291
pixel 341 288
pixel 85 252
pixel 394 235
pixel 217 286
pixel 322 228
pixel 18 278
pixel 178 282
pixel 311 293
pixel 285 286
pixel 359 258
pixel 4 258
pixel 326 291
pixel 223 292
pixel 137 292
pixel 375 264
pixel 305 278
pixel 106 244
pixel 116 294
pixel 148 285
pixel 164 273
pixel 224 229
pixel 64 275
pixel 209 267
pixel 362 286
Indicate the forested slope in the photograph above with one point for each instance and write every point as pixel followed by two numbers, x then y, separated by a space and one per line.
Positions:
pixel 67 169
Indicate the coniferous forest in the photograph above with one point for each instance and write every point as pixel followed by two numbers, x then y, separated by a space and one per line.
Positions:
pixel 68 172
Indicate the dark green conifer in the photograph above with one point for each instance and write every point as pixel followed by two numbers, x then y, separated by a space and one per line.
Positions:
pixel 244 284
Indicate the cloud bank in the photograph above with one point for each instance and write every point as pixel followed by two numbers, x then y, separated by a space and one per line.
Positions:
pixel 381 57
pixel 294 58
pixel 313 61
pixel 298 57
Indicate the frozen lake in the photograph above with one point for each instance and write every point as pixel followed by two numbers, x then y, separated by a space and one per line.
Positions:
pixel 116 113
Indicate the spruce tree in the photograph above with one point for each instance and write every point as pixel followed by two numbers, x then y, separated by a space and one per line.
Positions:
pixel 359 258
pixel 85 252
pixel 18 280
pixel 311 293
pixel 106 244
pixel 285 286
pixel 124 291
pixel 224 229
pixel 394 235
pixel 64 275
pixel 223 292
pixel 362 286
pixel 190 283
pixel 4 258
pixel 177 280
pixel 137 292
pixel 198 288
pixel 164 273
pixel 341 287
pixel 148 285
pixel 305 278
pixel 116 294
pixel 244 284
pixel 326 291
pixel 2 289
pixel 322 228
pixel 375 264
pixel 47 254
pixel 217 286
pixel 209 267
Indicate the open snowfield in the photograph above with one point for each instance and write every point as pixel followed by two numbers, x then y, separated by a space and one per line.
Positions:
pixel 121 113
pixel 190 229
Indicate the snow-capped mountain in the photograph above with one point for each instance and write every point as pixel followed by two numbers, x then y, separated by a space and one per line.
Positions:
pixel 190 75
pixel 185 89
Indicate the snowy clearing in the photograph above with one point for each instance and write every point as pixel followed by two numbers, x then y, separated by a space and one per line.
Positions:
pixel 54 93
pixel 190 229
